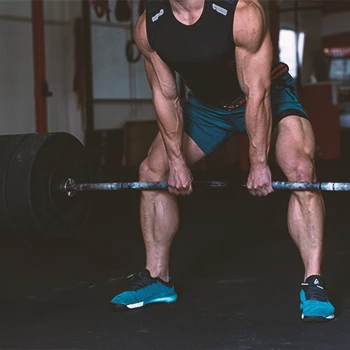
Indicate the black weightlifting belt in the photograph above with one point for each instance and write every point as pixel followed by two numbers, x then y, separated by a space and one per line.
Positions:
pixel 277 71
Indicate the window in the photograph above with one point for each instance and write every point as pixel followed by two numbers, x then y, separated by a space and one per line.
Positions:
pixel 340 69
pixel 287 46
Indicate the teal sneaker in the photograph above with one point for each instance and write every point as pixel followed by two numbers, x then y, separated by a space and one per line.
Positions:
pixel 144 290
pixel 314 303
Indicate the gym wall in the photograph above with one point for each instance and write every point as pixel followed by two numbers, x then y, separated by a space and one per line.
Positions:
pixel 310 22
pixel 335 23
pixel 316 25
pixel 16 67
pixel 116 82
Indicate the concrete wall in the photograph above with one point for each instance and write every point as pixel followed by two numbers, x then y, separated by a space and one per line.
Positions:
pixel 335 23
pixel 114 78
pixel 16 67
pixel 63 111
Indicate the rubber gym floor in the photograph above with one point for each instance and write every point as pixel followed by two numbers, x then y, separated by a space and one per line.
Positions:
pixel 236 270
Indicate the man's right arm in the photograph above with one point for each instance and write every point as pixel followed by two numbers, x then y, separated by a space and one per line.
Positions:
pixel 168 109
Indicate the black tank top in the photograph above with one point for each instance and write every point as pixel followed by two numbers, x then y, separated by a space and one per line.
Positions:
pixel 203 54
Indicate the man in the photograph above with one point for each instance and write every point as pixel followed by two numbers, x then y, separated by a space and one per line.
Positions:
pixel 222 49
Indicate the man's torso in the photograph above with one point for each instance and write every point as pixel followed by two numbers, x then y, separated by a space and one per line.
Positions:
pixel 202 53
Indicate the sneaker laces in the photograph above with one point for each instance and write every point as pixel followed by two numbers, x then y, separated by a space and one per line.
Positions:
pixel 139 281
pixel 314 292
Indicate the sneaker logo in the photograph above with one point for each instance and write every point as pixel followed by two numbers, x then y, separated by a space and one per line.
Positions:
pixel 316 281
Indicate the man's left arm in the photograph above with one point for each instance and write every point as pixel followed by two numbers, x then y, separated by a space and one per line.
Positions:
pixel 254 61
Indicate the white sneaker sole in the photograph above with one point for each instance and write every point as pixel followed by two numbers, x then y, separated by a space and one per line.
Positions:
pixel 330 317
pixel 157 300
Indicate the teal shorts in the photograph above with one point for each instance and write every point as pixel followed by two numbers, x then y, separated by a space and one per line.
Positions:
pixel 209 127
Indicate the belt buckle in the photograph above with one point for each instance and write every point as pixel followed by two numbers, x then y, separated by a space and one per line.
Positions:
pixel 235 104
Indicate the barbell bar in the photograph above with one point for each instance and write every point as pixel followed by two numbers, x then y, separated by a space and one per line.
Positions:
pixel 45 181
pixel 70 187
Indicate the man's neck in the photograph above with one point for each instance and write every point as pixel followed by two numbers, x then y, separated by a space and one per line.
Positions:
pixel 187 5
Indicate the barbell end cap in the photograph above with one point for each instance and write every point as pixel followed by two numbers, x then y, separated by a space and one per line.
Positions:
pixel 66 187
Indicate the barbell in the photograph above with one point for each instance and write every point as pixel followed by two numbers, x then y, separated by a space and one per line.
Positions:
pixel 43 178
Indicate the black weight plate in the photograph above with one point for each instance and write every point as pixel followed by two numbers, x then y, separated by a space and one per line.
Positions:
pixel 8 145
pixel 37 207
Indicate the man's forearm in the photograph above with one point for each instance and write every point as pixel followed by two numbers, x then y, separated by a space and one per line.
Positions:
pixel 258 124
pixel 170 121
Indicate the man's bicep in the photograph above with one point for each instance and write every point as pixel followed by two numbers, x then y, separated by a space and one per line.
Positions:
pixel 254 68
pixel 253 49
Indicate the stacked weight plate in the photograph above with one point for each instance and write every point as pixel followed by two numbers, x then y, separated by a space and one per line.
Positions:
pixel 8 145
pixel 32 169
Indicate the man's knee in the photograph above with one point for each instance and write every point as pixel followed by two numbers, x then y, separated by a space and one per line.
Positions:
pixel 300 169
pixel 151 170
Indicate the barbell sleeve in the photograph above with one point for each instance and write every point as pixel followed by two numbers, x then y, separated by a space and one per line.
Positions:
pixel 70 186
pixel 311 186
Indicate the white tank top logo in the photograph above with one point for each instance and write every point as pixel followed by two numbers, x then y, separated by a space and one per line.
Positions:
pixel 219 9
pixel 156 17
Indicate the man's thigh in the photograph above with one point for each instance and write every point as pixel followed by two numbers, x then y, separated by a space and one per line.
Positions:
pixel 293 139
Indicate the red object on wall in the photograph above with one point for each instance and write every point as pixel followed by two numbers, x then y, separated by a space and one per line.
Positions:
pixel 337 45
pixel 321 105
pixel 336 40
pixel 101 8
pixel 337 51
pixel 40 84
